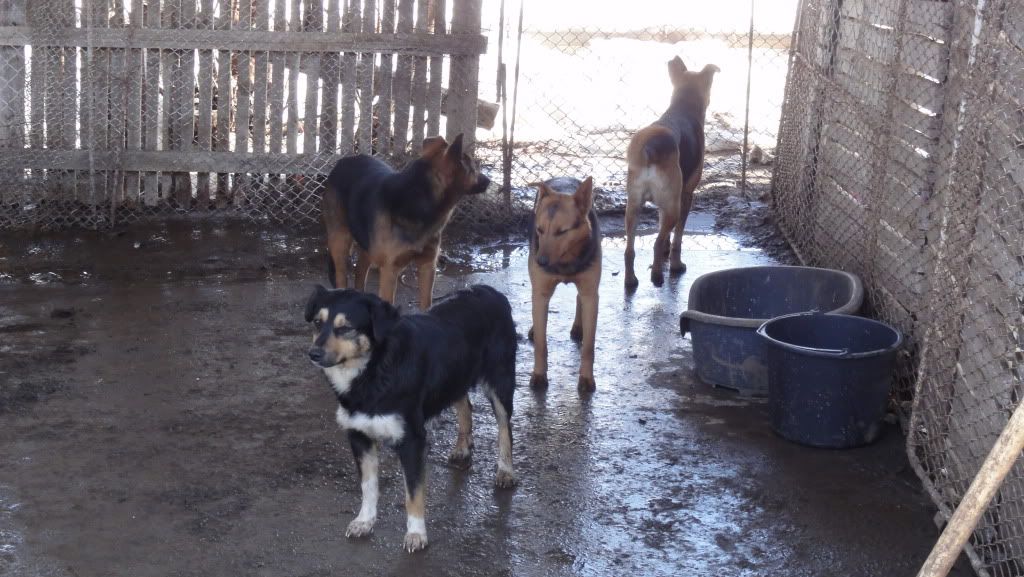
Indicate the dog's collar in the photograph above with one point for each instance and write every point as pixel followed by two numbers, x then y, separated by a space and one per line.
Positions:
pixel 584 260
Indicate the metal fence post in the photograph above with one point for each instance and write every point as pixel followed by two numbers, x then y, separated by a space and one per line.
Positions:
pixel 746 110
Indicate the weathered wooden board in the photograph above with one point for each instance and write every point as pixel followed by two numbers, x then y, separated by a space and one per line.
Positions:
pixel 204 104
pixel 349 75
pixel 184 103
pixel 330 76
pixel 134 80
pixel 311 67
pixel 925 56
pixel 383 82
pixel 367 65
pixel 248 40
pixel 930 18
pixel 222 136
pixel 455 77
pixel 402 82
pixel 167 160
pixel 424 23
pixel 12 91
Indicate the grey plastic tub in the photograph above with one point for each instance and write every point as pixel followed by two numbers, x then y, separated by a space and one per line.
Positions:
pixel 829 377
pixel 726 308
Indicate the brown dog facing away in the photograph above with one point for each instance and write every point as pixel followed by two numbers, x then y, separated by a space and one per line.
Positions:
pixel 565 247
pixel 395 218
pixel 665 162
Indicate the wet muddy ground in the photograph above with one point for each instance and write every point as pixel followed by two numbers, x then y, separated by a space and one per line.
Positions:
pixel 158 417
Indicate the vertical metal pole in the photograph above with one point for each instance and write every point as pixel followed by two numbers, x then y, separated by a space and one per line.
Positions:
pixel 515 97
pixel 746 114
pixel 506 178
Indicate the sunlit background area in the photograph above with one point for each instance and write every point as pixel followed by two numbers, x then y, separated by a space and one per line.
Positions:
pixel 591 73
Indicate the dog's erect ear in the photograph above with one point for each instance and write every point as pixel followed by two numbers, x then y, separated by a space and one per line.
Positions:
pixel 542 190
pixel 383 317
pixel 584 195
pixel 676 70
pixel 455 148
pixel 708 75
pixel 709 72
pixel 539 195
pixel 433 145
pixel 313 304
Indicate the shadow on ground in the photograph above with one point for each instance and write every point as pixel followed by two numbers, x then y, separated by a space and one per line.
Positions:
pixel 158 418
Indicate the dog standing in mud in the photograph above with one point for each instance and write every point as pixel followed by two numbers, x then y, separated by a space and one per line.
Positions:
pixel 565 247
pixel 395 218
pixel 665 162
pixel 392 373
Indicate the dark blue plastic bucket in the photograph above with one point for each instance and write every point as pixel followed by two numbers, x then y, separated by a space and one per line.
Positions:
pixel 829 377
pixel 726 307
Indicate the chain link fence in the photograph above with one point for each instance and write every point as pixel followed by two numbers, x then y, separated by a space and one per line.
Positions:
pixel 901 159
pixel 581 81
pixel 115 111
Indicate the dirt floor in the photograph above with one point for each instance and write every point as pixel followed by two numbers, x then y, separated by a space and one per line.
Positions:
pixel 158 417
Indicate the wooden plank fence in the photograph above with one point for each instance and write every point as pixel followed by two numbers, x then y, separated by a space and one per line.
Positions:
pixel 135 108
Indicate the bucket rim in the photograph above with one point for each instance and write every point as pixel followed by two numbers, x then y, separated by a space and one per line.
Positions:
pixel 692 314
pixel 762 331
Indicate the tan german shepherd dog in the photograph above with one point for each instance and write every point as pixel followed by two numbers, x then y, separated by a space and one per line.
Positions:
pixel 565 247
pixel 665 162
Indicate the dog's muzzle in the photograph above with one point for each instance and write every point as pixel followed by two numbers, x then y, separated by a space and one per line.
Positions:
pixel 482 182
pixel 319 358
pixel 316 354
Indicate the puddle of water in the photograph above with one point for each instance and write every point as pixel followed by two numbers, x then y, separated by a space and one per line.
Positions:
pixel 484 259
pixel 44 278
pixel 15 557
pixel 461 261
pixel 691 242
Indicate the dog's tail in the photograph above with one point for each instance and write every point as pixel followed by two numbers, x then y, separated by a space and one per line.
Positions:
pixel 658 147
pixel 331 270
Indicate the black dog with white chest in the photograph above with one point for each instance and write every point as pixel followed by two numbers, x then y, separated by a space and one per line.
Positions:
pixel 392 373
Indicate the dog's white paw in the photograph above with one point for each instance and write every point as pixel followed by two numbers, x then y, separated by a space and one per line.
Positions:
pixel 359 528
pixel 415 542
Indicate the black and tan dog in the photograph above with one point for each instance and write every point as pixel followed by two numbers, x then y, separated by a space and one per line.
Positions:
pixel 565 247
pixel 665 162
pixel 392 373
pixel 395 218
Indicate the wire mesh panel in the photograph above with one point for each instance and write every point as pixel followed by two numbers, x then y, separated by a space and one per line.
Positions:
pixel 121 110
pixel 116 110
pixel 900 159
pixel 583 80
